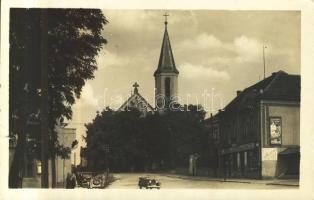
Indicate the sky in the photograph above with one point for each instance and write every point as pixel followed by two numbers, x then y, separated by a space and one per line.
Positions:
pixel 216 53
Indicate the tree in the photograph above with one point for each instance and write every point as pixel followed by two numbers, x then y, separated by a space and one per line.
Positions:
pixel 151 143
pixel 122 132
pixel 74 40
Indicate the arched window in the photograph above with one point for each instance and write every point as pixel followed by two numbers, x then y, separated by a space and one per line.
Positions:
pixel 167 87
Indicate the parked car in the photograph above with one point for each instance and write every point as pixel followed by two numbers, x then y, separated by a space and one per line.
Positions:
pixel 98 181
pixel 84 180
pixel 144 182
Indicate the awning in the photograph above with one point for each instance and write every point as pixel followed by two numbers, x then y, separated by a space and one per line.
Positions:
pixel 290 151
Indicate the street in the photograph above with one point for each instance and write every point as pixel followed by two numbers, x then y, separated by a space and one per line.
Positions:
pixel 130 181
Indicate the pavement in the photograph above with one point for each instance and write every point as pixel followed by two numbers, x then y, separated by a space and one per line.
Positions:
pixel 174 181
pixel 283 182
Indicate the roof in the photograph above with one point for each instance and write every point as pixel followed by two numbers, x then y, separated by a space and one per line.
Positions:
pixel 134 101
pixel 279 86
pixel 295 150
pixel 166 61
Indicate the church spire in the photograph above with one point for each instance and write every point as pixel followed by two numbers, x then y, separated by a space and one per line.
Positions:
pixel 166 60
pixel 166 22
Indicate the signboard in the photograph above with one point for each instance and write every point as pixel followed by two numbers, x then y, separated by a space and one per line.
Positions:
pixel 275 130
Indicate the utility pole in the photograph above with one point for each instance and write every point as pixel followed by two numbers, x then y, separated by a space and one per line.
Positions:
pixel 44 98
pixel 106 149
pixel 264 47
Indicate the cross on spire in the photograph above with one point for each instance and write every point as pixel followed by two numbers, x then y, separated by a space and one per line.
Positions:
pixel 166 15
pixel 166 61
pixel 136 85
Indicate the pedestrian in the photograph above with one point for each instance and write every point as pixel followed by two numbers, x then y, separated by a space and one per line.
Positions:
pixel 68 181
pixel 73 181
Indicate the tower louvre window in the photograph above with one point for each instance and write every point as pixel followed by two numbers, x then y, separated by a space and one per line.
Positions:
pixel 167 87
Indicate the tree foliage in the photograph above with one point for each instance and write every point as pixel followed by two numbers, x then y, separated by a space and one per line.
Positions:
pixel 156 142
pixel 74 40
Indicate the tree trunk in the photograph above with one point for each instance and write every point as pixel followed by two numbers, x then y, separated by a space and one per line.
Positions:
pixel 17 166
pixel 44 100
pixel 15 171
pixel 53 171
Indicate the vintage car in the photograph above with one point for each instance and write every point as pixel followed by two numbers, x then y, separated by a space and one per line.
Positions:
pixel 148 183
pixel 91 180
pixel 84 179
pixel 97 181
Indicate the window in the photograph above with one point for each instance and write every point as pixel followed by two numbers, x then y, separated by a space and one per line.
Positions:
pixel 253 159
pixel 38 168
pixel 167 88
pixel 275 131
pixel 245 159
pixel 216 132
pixel 238 161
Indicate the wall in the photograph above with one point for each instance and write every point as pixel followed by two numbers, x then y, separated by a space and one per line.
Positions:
pixel 63 166
pixel 290 116
pixel 289 112
pixel 35 182
pixel 160 84
pixel 269 162
pixel 272 165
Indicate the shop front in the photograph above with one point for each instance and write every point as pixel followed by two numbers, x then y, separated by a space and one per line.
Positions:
pixel 241 161
pixel 280 162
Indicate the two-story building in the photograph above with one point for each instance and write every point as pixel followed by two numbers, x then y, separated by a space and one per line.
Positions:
pixel 258 133
pixel 63 166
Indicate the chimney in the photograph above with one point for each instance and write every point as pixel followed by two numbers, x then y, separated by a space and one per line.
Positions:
pixel 238 92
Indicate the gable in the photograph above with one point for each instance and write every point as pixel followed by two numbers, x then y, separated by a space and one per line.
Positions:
pixel 138 102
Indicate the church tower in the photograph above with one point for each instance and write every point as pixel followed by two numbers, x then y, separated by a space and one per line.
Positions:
pixel 166 75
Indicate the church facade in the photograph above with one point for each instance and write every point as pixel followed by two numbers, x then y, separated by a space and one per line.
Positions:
pixel 166 83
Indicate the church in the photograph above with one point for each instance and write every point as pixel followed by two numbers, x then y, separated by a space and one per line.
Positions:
pixel 166 83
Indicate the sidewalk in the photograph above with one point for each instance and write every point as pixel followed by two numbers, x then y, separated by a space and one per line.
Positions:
pixel 284 182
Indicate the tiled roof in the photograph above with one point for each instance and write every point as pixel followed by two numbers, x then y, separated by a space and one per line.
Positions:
pixel 278 86
pixel 284 87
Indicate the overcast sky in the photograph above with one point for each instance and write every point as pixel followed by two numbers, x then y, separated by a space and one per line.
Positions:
pixel 218 51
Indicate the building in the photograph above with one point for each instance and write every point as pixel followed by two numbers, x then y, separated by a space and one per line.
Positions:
pixel 83 156
pixel 32 166
pixel 137 101
pixel 166 83
pixel 166 75
pixel 257 135
pixel 66 138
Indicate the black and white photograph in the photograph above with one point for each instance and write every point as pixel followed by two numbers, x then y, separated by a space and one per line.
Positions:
pixel 154 99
